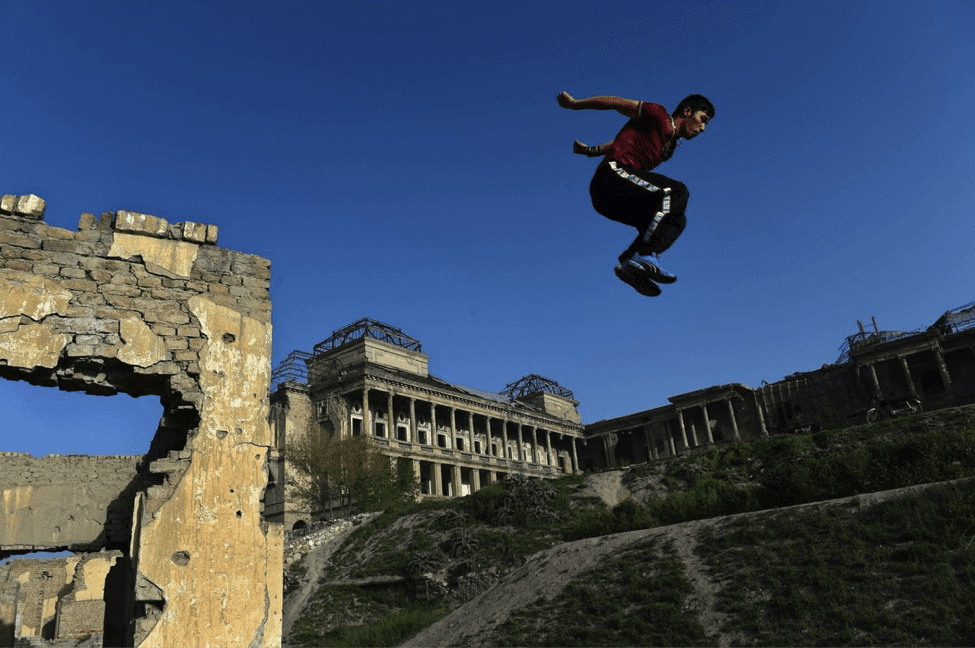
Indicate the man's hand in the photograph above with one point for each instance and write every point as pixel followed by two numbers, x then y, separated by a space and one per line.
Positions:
pixel 566 101
pixel 589 151
pixel 580 148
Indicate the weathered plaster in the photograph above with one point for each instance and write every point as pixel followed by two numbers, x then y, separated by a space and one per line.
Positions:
pixel 175 256
pixel 141 347
pixel 32 295
pixel 33 345
pixel 214 515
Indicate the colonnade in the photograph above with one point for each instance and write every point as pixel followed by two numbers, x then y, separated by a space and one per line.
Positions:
pixel 671 432
pixel 939 361
pixel 470 444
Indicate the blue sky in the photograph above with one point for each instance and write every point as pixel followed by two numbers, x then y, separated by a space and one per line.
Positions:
pixel 410 164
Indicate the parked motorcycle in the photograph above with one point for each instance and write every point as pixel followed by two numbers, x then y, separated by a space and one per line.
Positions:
pixel 885 409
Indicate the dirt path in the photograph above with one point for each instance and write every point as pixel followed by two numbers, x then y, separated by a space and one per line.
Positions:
pixel 315 563
pixel 546 574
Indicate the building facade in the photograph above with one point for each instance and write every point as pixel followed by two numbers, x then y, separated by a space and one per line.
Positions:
pixel 372 379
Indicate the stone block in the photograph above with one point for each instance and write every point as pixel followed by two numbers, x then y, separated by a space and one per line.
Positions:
pixel 87 221
pixel 74 273
pixel 60 234
pixel 31 206
pixel 18 240
pixel 71 247
pixel 136 223
pixel 8 203
pixel 194 232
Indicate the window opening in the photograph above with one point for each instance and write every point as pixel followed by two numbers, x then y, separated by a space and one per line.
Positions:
pixel 46 420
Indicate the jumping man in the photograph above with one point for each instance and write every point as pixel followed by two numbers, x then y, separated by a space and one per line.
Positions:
pixel 625 190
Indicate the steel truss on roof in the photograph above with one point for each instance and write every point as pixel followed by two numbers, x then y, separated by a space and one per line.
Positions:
pixel 957 319
pixel 953 321
pixel 370 329
pixel 533 384
pixel 292 369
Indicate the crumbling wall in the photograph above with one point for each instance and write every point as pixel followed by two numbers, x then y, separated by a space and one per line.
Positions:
pixel 134 304
pixel 54 598
pixel 76 502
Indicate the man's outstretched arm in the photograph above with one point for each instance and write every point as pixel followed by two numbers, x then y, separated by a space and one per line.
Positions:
pixel 626 107
pixel 590 151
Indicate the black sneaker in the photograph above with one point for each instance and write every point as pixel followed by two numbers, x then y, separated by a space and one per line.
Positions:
pixel 637 277
pixel 651 263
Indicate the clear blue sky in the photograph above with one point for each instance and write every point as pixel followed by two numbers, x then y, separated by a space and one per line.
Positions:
pixel 410 164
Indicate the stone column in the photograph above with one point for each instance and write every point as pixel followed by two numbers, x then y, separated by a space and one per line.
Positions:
pixel 734 423
pixel 874 382
pixel 939 359
pixel 548 448
pixel 456 480
pixel 433 424
pixel 649 441
pixel 390 417
pixel 504 436
pixel 907 375
pixel 412 437
pixel 760 415
pixel 670 440
pixel 683 430
pixel 707 424
pixel 487 435
pixel 453 426
pixel 534 444
pixel 437 478
pixel 416 473
pixel 610 457
pixel 521 450
pixel 575 457
pixel 475 479
pixel 366 418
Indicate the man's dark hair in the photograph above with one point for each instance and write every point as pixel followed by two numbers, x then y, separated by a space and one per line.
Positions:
pixel 695 102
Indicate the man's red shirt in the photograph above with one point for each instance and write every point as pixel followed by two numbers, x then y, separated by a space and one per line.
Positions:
pixel 643 141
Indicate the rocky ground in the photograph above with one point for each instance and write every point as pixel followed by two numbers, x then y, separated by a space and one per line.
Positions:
pixel 546 573
pixel 313 547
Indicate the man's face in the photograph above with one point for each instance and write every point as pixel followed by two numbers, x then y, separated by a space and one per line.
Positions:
pixel 694 123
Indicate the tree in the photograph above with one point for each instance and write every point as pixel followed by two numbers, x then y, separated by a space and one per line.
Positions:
pixel 345 472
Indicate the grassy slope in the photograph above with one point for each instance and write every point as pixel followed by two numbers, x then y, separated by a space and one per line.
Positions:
pixel 900 572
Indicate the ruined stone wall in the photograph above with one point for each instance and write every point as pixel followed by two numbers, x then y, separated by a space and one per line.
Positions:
pixel 77 502
pixel 134 304
pixel 54 598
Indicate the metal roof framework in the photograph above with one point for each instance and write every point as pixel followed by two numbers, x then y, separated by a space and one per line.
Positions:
pixel 533 384
pixel 367 328
pixel 952 321
pixel 293 369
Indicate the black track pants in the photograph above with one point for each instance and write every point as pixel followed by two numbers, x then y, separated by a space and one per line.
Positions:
pixel 636 197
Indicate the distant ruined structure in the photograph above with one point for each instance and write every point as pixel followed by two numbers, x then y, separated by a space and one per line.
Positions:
pixel 170 547
pixel 935 365
pixel 371 378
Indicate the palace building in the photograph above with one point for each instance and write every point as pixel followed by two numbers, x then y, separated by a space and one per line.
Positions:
pixel 372 379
